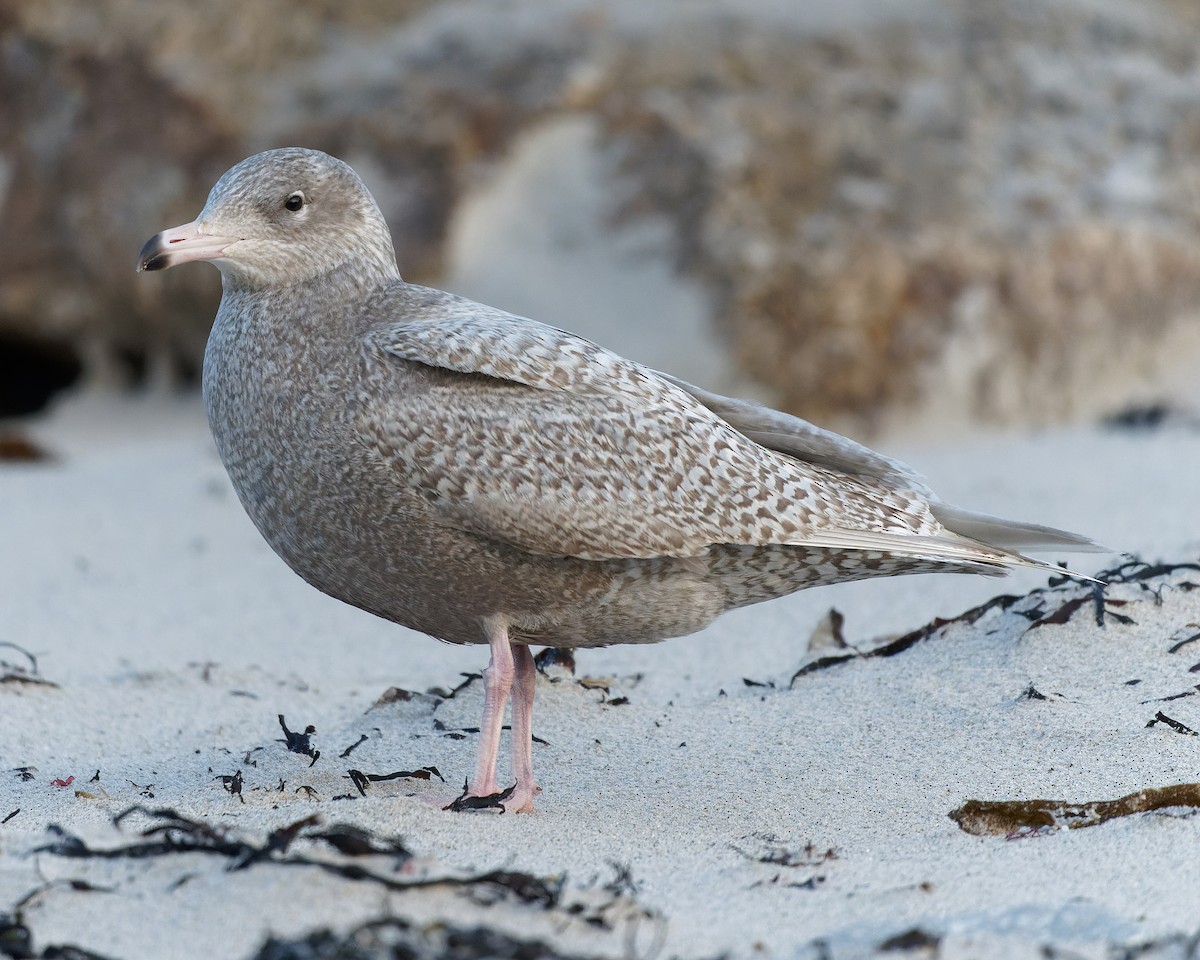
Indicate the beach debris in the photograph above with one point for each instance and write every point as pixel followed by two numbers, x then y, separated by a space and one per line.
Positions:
pixel 450 694
pixel 1188 633
pixel 1018 817
pixel 767 849
pixel 25 774
pixel 913 940
pixel 169 832
pixel 605 684
pixel 393 695
pixel 1039 607
pixel 1032 693
pixel 299 742
pixel 19 448
pixel 361 780
pixel 232 784
pixel 900 644
pixel 205 669
pixel 556 659
pixel 354 841
pixel 459 733
pixel 11 815
pixel 16 939
pixel 1174 724
pixel 363 738
pixel 464 801
pixel 827 634
pixel 1174 696
pixel 392 936
pixel 60 782
pixel 26 673
pixel 1150 416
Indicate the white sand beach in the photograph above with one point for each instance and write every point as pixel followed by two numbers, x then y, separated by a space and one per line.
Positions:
pixel 698 801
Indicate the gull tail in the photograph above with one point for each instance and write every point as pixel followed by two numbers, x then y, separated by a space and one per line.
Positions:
pixel 1011 537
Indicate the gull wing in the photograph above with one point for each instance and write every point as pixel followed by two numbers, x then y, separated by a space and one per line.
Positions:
pixel 528 435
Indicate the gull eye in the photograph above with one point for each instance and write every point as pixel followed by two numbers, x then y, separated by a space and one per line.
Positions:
pixel 294 201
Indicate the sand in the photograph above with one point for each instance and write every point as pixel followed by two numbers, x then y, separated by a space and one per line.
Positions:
pixel 698 801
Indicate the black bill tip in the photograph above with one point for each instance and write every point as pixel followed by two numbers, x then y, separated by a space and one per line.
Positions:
pixel 152 255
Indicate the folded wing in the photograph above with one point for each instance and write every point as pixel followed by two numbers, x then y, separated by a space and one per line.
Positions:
pixel 532 436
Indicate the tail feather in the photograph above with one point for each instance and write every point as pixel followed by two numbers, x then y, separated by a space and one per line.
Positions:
pixel 1011 534
pixel 1010 537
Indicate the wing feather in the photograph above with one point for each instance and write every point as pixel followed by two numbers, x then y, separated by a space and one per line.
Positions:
pixel 527 434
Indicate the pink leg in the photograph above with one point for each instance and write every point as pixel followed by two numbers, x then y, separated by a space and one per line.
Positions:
pixel 522 730
pixel 498 681
pixel 511 670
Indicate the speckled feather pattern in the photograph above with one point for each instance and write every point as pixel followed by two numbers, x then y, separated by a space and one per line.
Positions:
pixel 598 457
pixel 436 461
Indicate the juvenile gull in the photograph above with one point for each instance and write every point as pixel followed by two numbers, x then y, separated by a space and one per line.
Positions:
pixel 485 478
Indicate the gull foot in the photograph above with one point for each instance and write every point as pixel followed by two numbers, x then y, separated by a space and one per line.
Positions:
pixel 469 801
pixel 516 799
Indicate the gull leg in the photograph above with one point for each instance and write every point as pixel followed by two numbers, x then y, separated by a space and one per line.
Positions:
pixel 522 730
pixel 498 681
pixel 497 684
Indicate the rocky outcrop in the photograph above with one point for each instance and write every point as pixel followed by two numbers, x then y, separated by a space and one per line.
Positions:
pixel 888 209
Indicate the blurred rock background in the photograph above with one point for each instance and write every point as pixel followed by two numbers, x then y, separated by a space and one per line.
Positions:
pixel 872 212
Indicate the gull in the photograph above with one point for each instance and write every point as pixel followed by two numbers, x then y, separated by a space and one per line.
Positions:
pixel 485 478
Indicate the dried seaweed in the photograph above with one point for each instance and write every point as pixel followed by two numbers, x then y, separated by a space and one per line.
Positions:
pixel 1174 696
pixel 1063 613
pixel 363 738
pixel 393 695
pixel 11 815
pixel 912 939
pixel 900 644
pixel 775 853
pixel 361 780
pixel 1014 817
pixel 450 694
pixel 18 448
pixel 233 784
pixel 1174 724
pixel 353 841
pixel 16 941
pixel 493 801
pixel 772 852
pixel 1189 633
pixel 391 938
pixel 1130 570
pixel 300 742
pixel 26 673
pixel 459 733
pixel 173 833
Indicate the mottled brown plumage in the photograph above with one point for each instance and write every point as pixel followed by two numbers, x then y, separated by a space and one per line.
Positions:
pixel 485 478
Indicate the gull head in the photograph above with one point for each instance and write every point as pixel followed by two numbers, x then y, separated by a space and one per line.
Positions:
pixel 279 218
